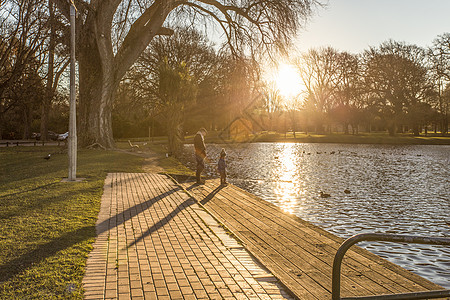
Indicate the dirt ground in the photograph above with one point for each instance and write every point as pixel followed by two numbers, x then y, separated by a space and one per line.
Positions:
pixel 151 163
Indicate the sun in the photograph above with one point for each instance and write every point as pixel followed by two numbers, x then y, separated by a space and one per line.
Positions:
pixel 288 81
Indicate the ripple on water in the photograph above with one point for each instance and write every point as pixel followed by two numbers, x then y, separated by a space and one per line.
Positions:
pixel 394 189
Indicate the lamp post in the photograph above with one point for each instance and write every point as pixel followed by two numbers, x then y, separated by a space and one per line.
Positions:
pixel 72 147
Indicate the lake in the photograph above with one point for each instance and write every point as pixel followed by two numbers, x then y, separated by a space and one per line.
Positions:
pixel 390 189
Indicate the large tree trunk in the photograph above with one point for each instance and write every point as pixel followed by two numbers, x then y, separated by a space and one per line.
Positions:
pixel 174 117
pixel 97 89
pixel 96 98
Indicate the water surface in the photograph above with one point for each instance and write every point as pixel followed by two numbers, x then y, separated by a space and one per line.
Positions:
pixel 393 189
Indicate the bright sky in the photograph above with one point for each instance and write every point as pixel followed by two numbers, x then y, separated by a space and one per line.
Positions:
pixel 354 25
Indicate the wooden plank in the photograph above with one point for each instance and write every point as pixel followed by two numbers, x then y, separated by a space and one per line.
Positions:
pixel 289 246
pixel 405 279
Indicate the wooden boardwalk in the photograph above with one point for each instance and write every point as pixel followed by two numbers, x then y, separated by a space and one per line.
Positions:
pixel 299 253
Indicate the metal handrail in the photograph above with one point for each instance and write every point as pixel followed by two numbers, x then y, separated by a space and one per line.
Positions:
pixel 336 275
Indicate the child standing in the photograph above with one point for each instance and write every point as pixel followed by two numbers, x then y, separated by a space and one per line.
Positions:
pixel 222 165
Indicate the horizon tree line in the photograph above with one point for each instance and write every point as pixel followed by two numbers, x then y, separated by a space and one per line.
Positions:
pixel 395 85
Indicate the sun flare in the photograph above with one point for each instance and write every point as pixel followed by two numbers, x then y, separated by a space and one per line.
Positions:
pixel 288 81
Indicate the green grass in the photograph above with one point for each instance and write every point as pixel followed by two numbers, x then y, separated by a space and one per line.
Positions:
pixel 47 227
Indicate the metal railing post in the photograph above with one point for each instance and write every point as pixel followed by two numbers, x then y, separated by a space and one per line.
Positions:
pixel 382 237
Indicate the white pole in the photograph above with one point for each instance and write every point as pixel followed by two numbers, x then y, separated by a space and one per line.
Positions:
pixel 72 117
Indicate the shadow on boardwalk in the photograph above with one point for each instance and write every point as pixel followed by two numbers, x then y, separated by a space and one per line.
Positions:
pixel 164 221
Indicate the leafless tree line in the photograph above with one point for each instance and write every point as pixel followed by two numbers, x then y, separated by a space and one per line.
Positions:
pixel 394 86
pixel 32 60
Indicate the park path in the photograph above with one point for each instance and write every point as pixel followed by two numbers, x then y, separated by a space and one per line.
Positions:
pixel 154 241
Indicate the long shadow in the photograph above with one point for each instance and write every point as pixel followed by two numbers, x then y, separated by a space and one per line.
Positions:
pixel 23 262
pixel 34 204
pixel 170 216
pixel 131 212
pixel 188 202
pixel 211 195
pixel 182 178
pixel 29 190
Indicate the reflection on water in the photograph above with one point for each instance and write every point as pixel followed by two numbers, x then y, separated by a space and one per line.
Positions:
pixel 393 189
pixel 286 173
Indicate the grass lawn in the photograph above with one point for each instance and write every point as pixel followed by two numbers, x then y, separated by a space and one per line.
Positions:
pixel 47 227
pixel 301 137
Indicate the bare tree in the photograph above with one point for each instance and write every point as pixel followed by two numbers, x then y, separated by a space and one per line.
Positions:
pixel 54 59
pixel 23 30
pixel 167 77
pixel 347 95
pixel 396 78
pixel 439 55
pixel 319 72
pixel 248 26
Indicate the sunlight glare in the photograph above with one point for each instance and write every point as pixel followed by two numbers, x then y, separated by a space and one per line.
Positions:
pixel 287 176
pixel 288 81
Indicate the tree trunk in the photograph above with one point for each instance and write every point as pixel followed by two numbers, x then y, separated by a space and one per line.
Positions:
pixel 416 129
pixel 1 125
pixel 46 102
pixel 174 118
pixel 391 129
pixel 95 106
pixel 294 124
pixel 444 126
pixel 45 108
pixel 28 118
pixel 97 90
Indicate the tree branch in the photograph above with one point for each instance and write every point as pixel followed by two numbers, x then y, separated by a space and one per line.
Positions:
pixel 141 33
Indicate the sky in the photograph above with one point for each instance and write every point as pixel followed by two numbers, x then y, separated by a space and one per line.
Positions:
pixel 354 25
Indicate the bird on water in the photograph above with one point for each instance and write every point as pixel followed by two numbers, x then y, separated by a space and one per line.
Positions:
pixel 324 195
